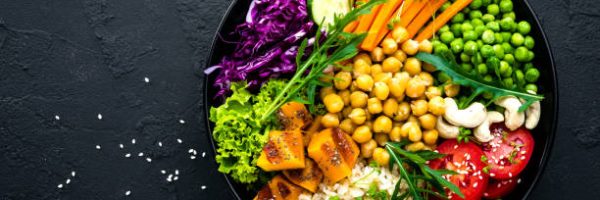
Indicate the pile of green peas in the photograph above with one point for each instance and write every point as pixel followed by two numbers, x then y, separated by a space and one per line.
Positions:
pixel 487 40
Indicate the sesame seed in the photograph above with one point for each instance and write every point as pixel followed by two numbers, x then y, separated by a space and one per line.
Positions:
pixel 99 116
pixel 149 159
pixel 192 157
pixel 68 181
pixel 98 147
pixel 128 192
pixel 181 121
pixel 179 141
pixel 175 178
pixel 518 181
pixel 486 194
pixel 455 146
pixel 510 174
pixel 127 155
pixel 133 141
pixel 56 117
pixel 73 173
pixel 141 154
pixel 170 178
pixel 160 144
pixel 475 185
pixel 499 185
pixel 522 157
pixel 492 174
pixel 163 171
pixel 60 185
pixel 191 150
pixel 121 146
pixel 203 187
pixel 203 154
pixel 146 79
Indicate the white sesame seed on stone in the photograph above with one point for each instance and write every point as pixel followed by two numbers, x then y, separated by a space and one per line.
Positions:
pixel 128 192
pixel 163 171
pixel 73 173
pixel 60 185
pixel 192 157
pixel 203 187
pixel 149 159
pixel 99 116
pixel 191 150
pixel 133 141
pixel 98 147
pixel 179 141
pixel 176 172
pixel 181 121
pixel 121 146
pixel 127 155
pixel 68 181
pixel 176 178
pixel 518 181
pixel 170 178
pixel 141 154
pixel 160 144
pixel 56 117
pixel 203 154
pixel 146 79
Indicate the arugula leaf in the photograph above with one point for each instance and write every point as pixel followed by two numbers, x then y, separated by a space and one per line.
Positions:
pixel 479 86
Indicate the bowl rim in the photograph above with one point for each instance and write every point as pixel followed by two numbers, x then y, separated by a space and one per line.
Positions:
pixel 547 147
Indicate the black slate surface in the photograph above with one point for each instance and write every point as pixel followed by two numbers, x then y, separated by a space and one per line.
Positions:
pixel 79 59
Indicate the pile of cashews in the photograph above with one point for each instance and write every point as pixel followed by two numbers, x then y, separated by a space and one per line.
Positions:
pixel 477 117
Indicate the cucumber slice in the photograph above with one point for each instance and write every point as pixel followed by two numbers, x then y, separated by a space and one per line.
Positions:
pixel 324 11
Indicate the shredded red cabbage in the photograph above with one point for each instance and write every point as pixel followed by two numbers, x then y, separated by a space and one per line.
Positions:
pixel 269 41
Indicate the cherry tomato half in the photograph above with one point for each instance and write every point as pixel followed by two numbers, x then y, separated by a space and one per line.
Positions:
pixel 509 152
pixel 499 188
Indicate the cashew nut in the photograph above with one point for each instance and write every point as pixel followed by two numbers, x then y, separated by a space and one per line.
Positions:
pixel 470 117
pixel 447 131
pixel 513 119
pixel 482 132
pixel 533 115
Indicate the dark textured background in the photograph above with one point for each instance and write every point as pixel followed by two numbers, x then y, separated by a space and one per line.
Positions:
pixel 78 59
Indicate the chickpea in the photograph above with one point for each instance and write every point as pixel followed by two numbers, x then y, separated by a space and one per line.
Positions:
pixel 325 91
pixel 381 156
pixel 405 129
pixel 389 46
pixel 345 95
pixel 403 112
pixel 347 126
pixel 362 134
pixel 426 78
pixel 417 146
pixel 390 107
pixel 374 106
pixel 381 138
pixel 428 121
pixel 362 57
pixel 400 34
pixel 384 77
pixel 364 82
pixel 430 136
pixel 437 106
pixel 414 133
pixel 418 107
pixel 398 84
pixel 342 80
pixel 358 116
pixel 412 66
pixel 415 87
pixel 376 69
pixel 451 90
pixel 425 46
pixel 429 67
pixel 330 120
pixel 395 134
pixel 391 64
pixel 333 103
pixel 358 99
pixel 410 47
pixel 377 54
pixel 367 148
pixel 382 124
pixel 381 90
pixel 433 91
pixel 400 55
pixel 361 67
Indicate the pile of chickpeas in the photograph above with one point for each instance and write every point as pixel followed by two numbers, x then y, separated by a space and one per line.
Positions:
pixel 387 95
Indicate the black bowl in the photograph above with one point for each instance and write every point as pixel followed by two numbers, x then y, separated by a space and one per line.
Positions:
pixel 543 134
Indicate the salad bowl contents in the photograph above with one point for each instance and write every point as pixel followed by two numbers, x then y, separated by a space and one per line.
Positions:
pixel 381 99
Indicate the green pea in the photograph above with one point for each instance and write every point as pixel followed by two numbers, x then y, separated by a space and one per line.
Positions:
pixel 508 82
pixel 486 2
pixel 488 18
pixel 520 77
pixel 466 66
pixel 476 59
pixel 506 36
pixel 487 51
pixel 530 56
pixel 447 37
pixel 506 24
pixel 479 44
pixel 476 14
pixel 511 15
pixel 456 29
pixel 477 22
pixel 470 48
pixel 444 28
pixel 440 48
pixel 527 66
pixel 504 67
pixel 482 69
pixel 435 42
pixel 445 6
pixel 517 39
pixel 529 42
pixel 531 87
pixel 470 35
pixel 476 4
pixel 442 77
pixel 466 10
pixel 459 17
pixel 493 9
pixel 524 27
pixel 506 6
pixel 498 38
pixel 466 26
pixel 493 25
pixel 498 51
pixel 488 37
pixel 509 58
pixel 457 45
pixel 508 71
pixel 508 49
pixel 480 29
pixel 464 57
pixel 488 78
pixel 493 64
pixel 521 54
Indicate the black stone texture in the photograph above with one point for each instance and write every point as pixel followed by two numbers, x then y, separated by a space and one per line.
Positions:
pixel 78 59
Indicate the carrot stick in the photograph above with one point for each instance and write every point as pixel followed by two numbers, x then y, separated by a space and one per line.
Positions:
pixel 351 26
pixel 411 12
pixel 398 13
pixel 423 17
pixel 379 25
pixel 405 6
pixel 365 21
pixel 442 19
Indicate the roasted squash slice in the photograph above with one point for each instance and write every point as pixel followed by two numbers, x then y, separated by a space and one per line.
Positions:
pixel 335 153
pixel 293 115
pixel 284 150
pixel 308 178
pixel 279 189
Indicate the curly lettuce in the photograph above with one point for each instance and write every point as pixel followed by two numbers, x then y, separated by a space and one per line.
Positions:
pixel 240 133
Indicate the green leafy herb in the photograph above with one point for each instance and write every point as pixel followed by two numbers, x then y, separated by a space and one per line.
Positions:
pixel 375 193
pixel 434 183
pixel 464 135
pixel 447 64
pixel 338 46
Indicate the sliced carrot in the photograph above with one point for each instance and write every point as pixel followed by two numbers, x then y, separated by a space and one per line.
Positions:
pixel 365 21
pixel 351 26
pixel 423 17
pixel 411 12
pixel 405 5
pixel 395 24
pixel 442 19
pixel 379 25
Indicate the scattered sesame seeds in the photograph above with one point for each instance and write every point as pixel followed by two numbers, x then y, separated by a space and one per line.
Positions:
pixel 179 141
pixel 146 79
pixel 127 155
pixel 56 117
pixel 133 141
pixel 59 186
pixel 73 173
pixel 148 159
pixel 98 147
pixel 121 146
pixel 170 178
pixel 160 144
pixel 141 154
pixel 203 187
pixel 128 192
pixel 181 121
pixel 68 181
pixel 99 116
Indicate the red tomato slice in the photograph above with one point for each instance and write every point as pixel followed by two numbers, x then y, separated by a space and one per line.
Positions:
pixel 509 152
pixel 499 188
pixel 465 159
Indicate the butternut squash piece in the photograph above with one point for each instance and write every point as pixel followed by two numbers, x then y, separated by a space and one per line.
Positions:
pixel 284 150
pixel 335 153
pixel 279 189
pixel 293 115
pixel 308 178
